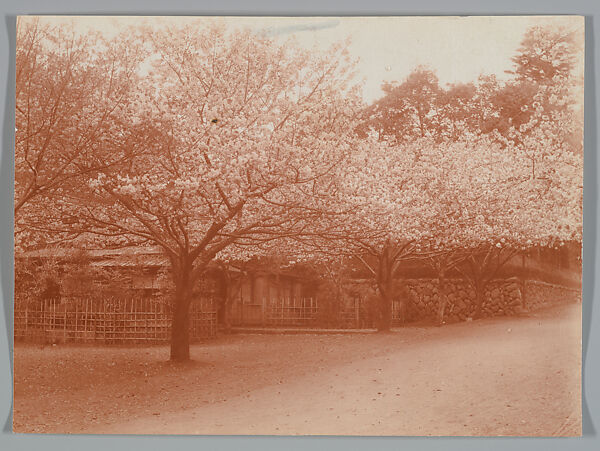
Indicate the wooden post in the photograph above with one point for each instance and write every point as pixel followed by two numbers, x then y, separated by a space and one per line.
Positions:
pixel 65 324
pixel 112 321
pixel 241 304
pixel 308 312
pixel 155 307
pixel 41 317
pixel 45 316
pixel 131 321
pixel 267 299
pixel 26 318
pixel 85 319
pixel 192 319
pixel 523 281
pixel 252 289
pixel 47 312
pixel 53 317
pixel 150 319
pixel 294 310
pixel 104 319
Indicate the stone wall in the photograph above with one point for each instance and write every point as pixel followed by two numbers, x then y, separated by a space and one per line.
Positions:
pixel 501 298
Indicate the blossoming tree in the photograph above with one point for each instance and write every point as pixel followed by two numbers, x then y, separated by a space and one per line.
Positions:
pixel 252 136
pixel 70 93
pixel 505 182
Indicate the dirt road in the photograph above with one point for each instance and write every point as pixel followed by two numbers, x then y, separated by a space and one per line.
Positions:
pixel 505 376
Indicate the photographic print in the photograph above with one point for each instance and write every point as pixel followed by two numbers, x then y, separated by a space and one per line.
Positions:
pixel 298 225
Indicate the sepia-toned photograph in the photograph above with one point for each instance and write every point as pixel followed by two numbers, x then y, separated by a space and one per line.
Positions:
pixel 356 226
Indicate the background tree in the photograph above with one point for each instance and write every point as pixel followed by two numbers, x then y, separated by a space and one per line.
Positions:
pixel 407 110
pixel 457 111
pixel 548 78
pixel 546 53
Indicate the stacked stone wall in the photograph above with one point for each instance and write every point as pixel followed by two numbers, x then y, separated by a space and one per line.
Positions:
pixel 501 298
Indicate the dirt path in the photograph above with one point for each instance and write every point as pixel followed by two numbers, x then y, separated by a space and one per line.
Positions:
pixel 517 376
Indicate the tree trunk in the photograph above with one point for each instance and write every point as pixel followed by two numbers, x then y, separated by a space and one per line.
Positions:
pixel 524 282
pixel 386 299
pixel 385 312
pixel 385 284
pixel 232 291
pixel 524 294
pixel 338 304
pixel 226 315
pixel 180 324
pixel 479 289
pixel 224 306
pixel 443 299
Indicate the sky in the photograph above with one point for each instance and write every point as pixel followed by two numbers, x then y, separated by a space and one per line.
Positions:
pixel 458 49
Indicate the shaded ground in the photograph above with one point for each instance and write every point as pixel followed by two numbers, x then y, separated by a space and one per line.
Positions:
pixel 504 376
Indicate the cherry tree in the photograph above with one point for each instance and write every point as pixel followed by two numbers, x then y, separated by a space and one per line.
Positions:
pixel 253 135
pixel 543 130
pixel 70 93
pixel 491 207
pixel 385 211
pixel 447 197
pixel 469 205
pixel 486 196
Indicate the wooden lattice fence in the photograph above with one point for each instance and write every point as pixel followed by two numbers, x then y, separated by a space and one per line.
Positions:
pixel 108 321
pixel 296 312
